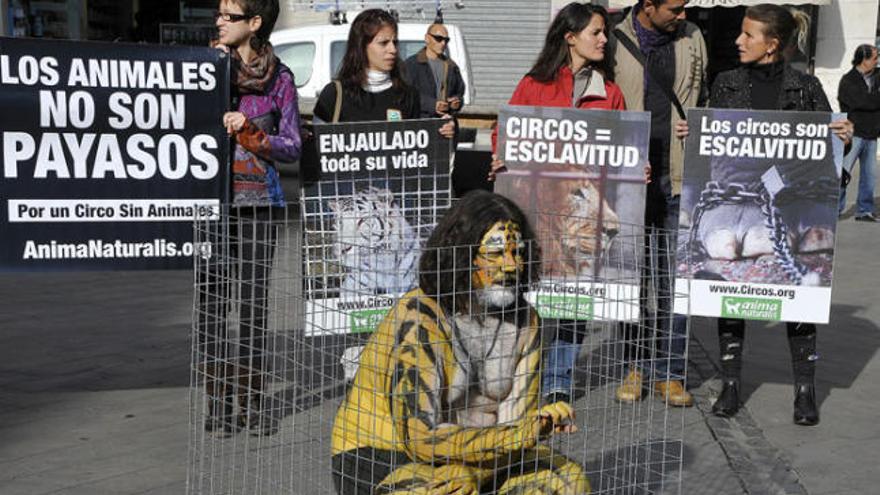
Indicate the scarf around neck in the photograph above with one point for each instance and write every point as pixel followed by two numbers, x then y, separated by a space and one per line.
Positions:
pixel 254 77
pixel 377 81
pixel 649 39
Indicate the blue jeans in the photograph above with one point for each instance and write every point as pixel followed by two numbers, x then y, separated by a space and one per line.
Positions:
pixel 560 358
pixel 865 151
pixel 665 329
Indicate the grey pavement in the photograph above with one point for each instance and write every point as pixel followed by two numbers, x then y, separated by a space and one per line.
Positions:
pixel 94 374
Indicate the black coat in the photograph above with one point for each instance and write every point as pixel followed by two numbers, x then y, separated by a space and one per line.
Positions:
pixel 801 92
pixel 732 89
pixel 418 74
pixel 861 105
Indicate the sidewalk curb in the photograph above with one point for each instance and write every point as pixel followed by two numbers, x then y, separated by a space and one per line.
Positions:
pixel 760 467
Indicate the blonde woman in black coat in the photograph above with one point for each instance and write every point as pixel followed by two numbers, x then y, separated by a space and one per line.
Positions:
pixel 765 81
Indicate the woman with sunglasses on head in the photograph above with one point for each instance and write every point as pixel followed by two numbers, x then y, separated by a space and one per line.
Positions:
pixel 571 71
pixel 765 81
pixel 264 124
pixel 373 88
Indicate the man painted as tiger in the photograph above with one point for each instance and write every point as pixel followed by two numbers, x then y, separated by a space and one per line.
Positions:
pixel 446 396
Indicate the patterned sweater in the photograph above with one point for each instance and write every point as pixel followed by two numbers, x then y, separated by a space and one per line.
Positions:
pixel 270 135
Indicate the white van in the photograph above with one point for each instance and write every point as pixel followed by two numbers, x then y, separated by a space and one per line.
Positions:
pixel 314 53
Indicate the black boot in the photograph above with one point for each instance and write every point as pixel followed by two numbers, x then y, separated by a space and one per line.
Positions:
pixel 727 404
pixel 221 401
pixel 256 413
pixel 805 411
pixel 731 334
pixel 221 418
pixel 802 344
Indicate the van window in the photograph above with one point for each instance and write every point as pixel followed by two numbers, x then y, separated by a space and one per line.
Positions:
pixel 300 57
pixel 407 49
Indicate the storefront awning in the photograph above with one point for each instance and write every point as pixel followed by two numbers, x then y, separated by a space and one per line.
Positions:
pixel 620 4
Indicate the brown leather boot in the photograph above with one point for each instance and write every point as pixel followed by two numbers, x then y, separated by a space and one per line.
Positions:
pixel 673 393
pixel 630 390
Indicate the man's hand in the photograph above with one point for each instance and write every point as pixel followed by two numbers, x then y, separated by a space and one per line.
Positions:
pixel 441 107
pixel 681 129
pixel 455 103
pixel 556 418
pixel 448 129
pixel 842 129
pixel 234 122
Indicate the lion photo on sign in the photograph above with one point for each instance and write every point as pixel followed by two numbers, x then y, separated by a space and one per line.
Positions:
pixel 576 225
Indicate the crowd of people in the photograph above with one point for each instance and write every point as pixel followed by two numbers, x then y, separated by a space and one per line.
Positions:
pixel 654 61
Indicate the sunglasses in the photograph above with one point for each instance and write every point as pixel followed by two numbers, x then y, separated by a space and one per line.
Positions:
pixel 227 17
pixel 440 39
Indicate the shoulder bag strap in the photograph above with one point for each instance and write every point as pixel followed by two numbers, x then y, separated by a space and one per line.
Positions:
pixel 637 54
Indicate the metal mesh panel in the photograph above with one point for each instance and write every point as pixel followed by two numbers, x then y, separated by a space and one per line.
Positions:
pixel 314 377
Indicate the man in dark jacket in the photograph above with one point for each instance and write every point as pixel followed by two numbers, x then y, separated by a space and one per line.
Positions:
pixel 859 96
pixel 435 75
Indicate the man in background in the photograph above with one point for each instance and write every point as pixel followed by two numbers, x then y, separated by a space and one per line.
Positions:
pixel 435 75
pixel 859 97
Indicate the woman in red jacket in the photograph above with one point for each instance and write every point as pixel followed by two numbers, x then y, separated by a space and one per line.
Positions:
pixel 570 72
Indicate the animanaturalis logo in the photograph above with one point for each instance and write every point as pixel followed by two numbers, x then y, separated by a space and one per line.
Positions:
pixel 565 307
pixel 367 320
pixel 752 308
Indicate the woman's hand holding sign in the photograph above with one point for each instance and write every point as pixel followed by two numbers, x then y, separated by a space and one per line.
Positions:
pixel 234 122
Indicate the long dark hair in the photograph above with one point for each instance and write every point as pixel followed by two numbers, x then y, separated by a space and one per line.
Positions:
pixel 268 12
pixel 353 69
pixel 786 26
pixel 446 263
pixel 573 18
pixel 863 52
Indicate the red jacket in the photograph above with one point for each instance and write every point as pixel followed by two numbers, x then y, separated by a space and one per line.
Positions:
pixel 557 93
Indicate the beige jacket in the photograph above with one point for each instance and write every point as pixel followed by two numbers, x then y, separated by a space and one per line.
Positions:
pixel 690 76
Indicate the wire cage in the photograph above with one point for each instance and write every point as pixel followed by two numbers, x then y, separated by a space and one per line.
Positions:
pixel 337 351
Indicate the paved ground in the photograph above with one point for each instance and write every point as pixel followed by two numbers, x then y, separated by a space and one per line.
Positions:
pixel 94 375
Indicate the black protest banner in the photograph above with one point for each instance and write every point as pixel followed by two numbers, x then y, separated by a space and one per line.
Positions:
pixel 383 186
pixel 109 152
pixel 759 214
pixel 580 176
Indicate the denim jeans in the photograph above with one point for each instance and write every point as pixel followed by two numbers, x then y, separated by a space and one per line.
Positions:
pixel 865 151
pixel 661 330
pixel 560 357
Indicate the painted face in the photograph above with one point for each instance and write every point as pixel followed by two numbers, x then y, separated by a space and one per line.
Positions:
pixel 666 17
pixel 499 256
pixel 435 45
pixel 589 44
pixel 237 30
pixel 753 45
pixel 382 51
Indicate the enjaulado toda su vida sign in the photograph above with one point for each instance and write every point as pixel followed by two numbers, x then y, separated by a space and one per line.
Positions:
pixel 110 151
